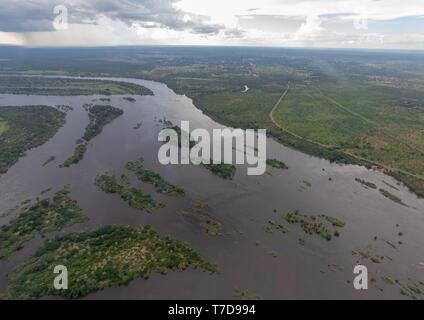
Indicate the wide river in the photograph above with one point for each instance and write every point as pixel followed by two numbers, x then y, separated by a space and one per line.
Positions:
pixel 244 205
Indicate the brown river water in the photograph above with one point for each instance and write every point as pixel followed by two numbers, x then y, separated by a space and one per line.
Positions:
pixel 243 205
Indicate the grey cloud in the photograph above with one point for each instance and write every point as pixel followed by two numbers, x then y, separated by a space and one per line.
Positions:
pixel 37 15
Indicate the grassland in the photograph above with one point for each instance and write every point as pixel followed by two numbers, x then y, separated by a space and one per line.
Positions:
pixel 134 197
pixel 27 127
pixel 45 216
pixel 151 177
pixel 67 87
pixel 101 258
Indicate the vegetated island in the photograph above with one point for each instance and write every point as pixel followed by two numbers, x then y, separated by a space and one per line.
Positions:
pixel 24 128
pixel 366 184
pixel 276 164
pixel 101 258
pixel 134 197
pixel 392 197
pixel 309 224
pixel 151 177
pixel 100 116
pixel 49 159
pixel 130 99
pixel 45 216
pixel 68 87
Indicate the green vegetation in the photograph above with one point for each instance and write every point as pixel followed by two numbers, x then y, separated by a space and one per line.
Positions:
pixel 50 159
pixel 392 197
pixel 133 196
pixel 273 254
pixel 307 183
pixel 101 258
pixel 27 127
pixel 148 176
pixel 45 216
pixel 276 164
pixel 388 280
pixel 211 226
pixel 200 215
pixel 334 221
pixel 137 126
pixel 3 126
pixel 312 224
pixel 64 108
pixel 225 171
pixel 366 183
pixel 390 185
pixel 76 157
pixel 245 295
pixel 45 191
pixel 68 87
pixel 272 225
pixel 130 99
pixel 100 116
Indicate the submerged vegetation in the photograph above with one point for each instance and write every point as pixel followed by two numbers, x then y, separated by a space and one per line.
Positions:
pixel 151 177
pixel 25 128
pixel 366 183
pixel 200 215
pixel 50 159
pixel 242 294
pixel 276 164
pixel 101 258
pixel 392 197
pixel 45 216
pixel 225 171
pixel 311 224
pixel 135 198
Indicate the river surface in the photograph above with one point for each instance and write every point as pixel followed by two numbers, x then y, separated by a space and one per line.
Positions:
pixel 243 205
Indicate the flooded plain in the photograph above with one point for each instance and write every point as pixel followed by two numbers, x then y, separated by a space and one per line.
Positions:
pixel 244 206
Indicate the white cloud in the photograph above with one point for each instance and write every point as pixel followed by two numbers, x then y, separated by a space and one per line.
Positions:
pixel 237 22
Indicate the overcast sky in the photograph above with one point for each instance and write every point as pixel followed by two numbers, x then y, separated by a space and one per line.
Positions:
pixel 287 23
